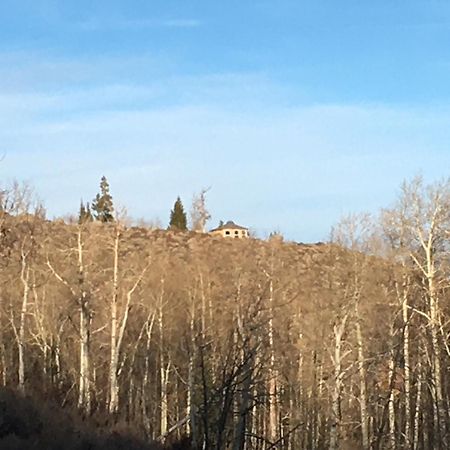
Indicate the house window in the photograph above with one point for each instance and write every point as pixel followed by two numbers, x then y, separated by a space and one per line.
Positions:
pixel 227 233
pixel 243 233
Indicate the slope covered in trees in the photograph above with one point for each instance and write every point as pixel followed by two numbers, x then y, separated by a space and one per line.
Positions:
pixel 227 341
pixel 236 343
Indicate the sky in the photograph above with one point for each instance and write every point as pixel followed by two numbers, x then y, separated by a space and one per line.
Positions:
pixel 294 113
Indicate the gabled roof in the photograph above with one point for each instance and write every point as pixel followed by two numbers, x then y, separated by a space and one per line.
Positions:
pixel 230 225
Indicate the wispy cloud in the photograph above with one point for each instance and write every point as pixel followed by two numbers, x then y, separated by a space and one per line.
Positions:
pixel 272 163
pixel 293 168
pixel 181 23
pixel 96 24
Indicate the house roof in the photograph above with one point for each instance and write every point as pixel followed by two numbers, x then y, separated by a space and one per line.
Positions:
pixel 230 225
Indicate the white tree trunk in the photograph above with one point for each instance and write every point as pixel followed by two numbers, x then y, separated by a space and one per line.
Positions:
pixel 148 332
pixel 418 408
pixel 391 407
pixel 408 416
pixel 163 368
pixel 3 360
pixel 191 424
pixel 337 384
pixel 114 357
pixel 362 383
pixel 84 397
pixel 164 373
pixel 24 277
pixel 439 407
pixel 118 325
pixel 272 389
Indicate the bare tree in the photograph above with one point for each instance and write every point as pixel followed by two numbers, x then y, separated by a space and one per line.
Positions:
pixel 199 213
pixel 421 221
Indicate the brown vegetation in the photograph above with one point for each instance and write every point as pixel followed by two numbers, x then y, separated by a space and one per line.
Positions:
pixel 236 343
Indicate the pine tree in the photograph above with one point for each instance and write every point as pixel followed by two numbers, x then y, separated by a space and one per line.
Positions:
pixel 102 205
pixel 85 214
pixel 178 219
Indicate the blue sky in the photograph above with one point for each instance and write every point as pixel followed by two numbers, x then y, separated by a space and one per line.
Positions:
pixel 294 112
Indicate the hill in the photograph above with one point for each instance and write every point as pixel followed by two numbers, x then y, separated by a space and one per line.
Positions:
pixel 228 341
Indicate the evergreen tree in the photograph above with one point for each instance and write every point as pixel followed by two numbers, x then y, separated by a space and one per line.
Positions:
pixel 85 214
pixel 102 205
pixel 178 219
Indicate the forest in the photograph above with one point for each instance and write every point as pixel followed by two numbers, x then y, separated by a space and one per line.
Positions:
pixel 120 336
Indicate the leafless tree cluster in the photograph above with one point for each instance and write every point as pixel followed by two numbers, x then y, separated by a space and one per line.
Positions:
pixel 239 344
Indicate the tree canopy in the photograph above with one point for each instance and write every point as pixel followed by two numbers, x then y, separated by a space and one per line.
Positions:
pixel 102 205
pixel 85 214
pixel 178 219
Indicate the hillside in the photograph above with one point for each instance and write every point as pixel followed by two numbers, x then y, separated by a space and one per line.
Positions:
pixel 228 341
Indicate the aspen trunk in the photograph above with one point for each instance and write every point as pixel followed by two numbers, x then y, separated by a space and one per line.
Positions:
pixel 418 408
pixel 439 408
pixel 362 384
pixel 145 417
pixel 114 358
pixel 190 409
pixel 191 424
pixel 3 361
pixel 391 407
pixel 163 368
pixel 164 373
pixel 24 277
pixel 84 397
pixel 408 416
pixel 273 419
pixel 439 413
pixel 337 385
pixel 118 325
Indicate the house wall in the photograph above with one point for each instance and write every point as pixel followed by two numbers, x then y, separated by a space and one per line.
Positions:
pixel 231 232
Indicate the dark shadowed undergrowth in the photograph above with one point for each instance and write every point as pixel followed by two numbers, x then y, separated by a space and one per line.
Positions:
pixel 30 424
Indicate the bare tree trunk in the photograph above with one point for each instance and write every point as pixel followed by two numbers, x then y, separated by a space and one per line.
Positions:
pixel 273 418
pixel 362 383
pixel 114 357
pixel 429 271
pixel 191 424
pixel 337 384
pixel 118 326
pixel 406 357
pixel 84 397
pixel 191 428
pixel 163 367
pixel 3 361
pixel 24 277
pixel 439 407
pixel 392 439
pixel 418 407
pixel 164 373
pixel 148 331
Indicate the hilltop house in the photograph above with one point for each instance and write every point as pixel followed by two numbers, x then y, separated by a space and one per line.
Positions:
pixel 230 229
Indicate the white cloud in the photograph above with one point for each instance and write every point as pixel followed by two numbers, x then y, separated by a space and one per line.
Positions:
pixel 296 168
pixel 97 24
pixel 181 23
